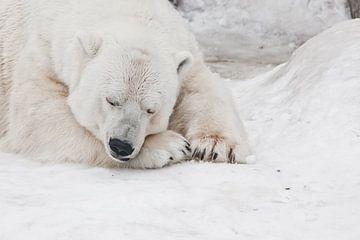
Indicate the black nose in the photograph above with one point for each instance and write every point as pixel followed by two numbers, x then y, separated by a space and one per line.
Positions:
pixel 120 148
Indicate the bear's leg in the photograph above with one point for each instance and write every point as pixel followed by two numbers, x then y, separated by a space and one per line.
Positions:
pixel 160 150
pixel 206 116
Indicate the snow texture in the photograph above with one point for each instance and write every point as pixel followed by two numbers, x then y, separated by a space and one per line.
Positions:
pixel 244 29
pixel 305 185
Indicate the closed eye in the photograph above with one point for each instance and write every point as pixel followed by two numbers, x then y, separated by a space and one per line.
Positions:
pixel 150 111
pixel 112 102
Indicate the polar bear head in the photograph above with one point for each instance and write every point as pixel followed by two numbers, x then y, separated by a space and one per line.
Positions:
pixel 122 92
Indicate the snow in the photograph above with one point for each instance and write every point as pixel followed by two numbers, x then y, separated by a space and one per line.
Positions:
pixel 251 34
pixel 226 28
pixel 189 201
pixel 302 119
pixel 285 20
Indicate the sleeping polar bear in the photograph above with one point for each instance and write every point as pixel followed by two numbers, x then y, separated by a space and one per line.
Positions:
pixel 114 83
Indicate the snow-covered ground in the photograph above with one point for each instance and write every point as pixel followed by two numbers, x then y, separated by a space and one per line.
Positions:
pixel 303 123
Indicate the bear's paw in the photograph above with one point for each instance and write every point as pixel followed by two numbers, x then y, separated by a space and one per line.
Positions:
pixel 219 149
pixel 163 149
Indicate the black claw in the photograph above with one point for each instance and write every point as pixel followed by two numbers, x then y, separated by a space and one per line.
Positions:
pixel 184 152
pixel 233 159
pixel 187 144
pixel 203 154
pixel 171 158
pixel 188 148
pixel 230 155
pixel 195 152
pixel 215 156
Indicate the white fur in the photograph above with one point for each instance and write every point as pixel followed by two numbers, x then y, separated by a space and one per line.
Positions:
pixel 64 61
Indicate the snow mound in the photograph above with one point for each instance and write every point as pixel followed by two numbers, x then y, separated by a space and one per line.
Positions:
pixel 304 118
pixel 311 104
pixel 226 28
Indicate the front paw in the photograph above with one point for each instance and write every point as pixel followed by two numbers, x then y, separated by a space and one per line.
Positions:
pixel 217 148
pixel 163 149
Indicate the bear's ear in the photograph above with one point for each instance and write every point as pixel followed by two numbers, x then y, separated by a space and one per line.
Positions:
pixel 90 43
pixel 184 61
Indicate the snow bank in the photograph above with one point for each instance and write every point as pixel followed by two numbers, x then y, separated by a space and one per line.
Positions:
pixel 241 29
pixel 303 117
pixel 310 105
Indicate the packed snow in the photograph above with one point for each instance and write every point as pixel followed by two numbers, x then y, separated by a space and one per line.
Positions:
pixel 303 122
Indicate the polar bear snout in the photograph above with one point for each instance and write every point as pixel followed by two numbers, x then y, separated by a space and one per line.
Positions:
pixel 120 149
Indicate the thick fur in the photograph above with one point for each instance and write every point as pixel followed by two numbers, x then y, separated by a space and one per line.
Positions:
pixel 75 73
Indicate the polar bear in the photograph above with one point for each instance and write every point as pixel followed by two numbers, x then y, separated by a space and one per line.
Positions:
pixel 113 83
